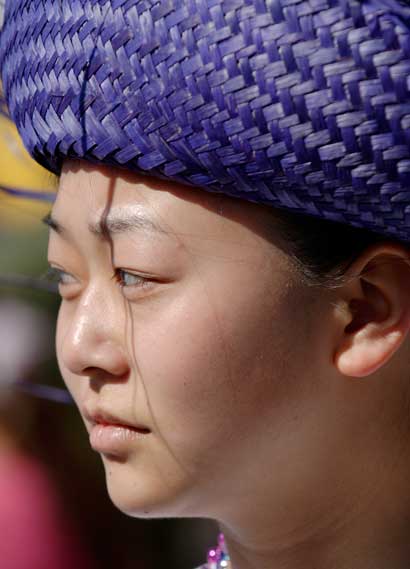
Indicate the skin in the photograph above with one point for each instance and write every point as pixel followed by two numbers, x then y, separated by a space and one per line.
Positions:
pixel 277 409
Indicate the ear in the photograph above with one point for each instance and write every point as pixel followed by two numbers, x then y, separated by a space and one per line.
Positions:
pixel 378 310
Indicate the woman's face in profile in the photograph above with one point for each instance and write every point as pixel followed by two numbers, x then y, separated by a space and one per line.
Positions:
pixel 187 323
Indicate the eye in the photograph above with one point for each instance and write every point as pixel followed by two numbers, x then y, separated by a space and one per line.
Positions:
pixel 58 276
pixel 129 280
pixel 125 279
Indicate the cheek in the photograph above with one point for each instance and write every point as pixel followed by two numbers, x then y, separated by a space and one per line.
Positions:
pixel 181 362
pixel 211 372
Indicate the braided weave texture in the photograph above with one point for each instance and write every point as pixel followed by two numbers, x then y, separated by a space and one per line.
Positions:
pixel 300 104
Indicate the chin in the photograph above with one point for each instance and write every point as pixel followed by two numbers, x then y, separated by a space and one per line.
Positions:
pixel 143 495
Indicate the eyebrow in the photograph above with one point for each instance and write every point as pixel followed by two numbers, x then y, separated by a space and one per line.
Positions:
pixel 113 224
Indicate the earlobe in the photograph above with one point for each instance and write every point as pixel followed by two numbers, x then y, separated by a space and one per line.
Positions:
pixel 367 352
pixel 379 313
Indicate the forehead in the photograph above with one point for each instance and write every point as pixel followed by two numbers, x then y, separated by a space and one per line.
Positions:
pixel 111 200
pixel 211 223
pixel 90 193
pixel 94 189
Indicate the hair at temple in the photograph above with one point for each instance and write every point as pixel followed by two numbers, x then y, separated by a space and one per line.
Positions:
pixel 322 249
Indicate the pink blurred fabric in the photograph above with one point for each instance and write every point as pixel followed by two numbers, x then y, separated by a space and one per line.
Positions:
pixel 34 531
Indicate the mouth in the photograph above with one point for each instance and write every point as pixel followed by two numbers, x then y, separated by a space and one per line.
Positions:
pixel 107 419
pixel 118 425
pixel 116 440
pixel 113 436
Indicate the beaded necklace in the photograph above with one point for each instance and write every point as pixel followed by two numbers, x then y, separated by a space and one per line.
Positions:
pixel 218 557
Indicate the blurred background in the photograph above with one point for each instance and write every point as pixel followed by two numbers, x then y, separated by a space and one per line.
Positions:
pixel 54 508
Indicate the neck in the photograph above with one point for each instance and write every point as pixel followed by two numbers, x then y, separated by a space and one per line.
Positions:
pixel 371 537
pixel 385 552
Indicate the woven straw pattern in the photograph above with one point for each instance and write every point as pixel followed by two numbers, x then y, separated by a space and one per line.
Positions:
pixel 301 104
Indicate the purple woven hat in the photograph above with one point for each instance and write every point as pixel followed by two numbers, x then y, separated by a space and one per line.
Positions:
pixel 300 104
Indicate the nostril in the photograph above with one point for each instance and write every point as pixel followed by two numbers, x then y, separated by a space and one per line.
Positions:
pixel 99 377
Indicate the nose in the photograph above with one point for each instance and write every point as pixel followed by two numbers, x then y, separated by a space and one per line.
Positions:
pixel 91 336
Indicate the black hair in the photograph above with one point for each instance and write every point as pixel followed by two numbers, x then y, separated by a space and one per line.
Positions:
pixel 322 249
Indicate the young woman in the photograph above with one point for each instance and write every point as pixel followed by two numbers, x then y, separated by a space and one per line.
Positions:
pixel 233 360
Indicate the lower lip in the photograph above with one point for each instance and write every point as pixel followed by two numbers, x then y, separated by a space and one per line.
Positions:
pixel 114 439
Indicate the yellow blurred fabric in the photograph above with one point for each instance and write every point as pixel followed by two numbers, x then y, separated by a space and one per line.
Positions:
pixel 19 171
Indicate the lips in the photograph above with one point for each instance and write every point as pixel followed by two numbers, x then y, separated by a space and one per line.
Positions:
pixel 106 419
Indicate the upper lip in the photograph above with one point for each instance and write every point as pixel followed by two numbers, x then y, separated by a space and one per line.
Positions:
pixel 102 417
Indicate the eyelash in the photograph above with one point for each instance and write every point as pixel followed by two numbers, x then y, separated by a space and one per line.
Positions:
pixel 55 275
pixel 142 280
